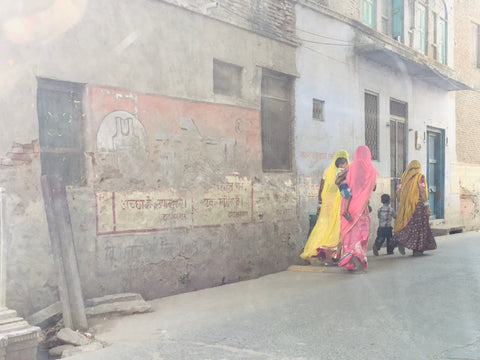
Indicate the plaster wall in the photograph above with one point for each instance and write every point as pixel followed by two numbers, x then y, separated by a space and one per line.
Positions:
pixel 213 216
pixel 327 73
pixel 336 75
pixel 158 48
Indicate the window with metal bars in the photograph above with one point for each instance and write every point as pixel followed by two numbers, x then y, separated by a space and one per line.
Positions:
pixel 398 108
pixel 371 123
pixel 318 110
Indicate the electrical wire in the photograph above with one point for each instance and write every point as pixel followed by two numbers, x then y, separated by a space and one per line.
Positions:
pixel 324 43
pixel 297 37
pixel 322 36
pixel 346 43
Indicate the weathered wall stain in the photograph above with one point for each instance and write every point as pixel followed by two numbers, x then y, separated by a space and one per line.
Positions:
pixel 235 201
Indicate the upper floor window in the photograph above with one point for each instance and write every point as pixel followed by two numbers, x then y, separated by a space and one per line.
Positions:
pixel 386 17
pixel 442 40
pixel 421 27
pixel 397 20
pixel 369 12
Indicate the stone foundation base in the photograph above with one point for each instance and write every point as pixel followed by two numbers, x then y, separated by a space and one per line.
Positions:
pixel 18 340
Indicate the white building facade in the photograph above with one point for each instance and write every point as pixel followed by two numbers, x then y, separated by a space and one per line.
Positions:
pixel 377 73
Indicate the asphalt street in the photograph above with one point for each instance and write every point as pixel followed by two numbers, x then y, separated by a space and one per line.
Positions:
pixel 402 307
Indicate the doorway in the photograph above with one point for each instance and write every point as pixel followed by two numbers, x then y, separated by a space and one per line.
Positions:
pixel 398 145
pixel 436 171
pixel 60 118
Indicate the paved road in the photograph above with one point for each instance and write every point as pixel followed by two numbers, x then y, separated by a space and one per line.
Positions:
pixel 401 308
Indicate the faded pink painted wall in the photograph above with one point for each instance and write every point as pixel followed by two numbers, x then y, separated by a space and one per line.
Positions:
pixel 161 114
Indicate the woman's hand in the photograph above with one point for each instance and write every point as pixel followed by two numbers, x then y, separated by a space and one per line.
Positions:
pixel 428 210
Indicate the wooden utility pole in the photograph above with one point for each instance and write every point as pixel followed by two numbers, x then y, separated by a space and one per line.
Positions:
pixel 63 248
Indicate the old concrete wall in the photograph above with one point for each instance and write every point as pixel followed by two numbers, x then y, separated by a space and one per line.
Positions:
pixel 31 281
pixel 465 180
pixel 177 199
pixel 465 174
pixel 195 183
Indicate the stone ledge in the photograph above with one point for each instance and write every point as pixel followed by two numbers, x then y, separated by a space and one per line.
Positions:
pixel 113 298
pixel 119 308
pixel 306 268
pixel 442 229
pixel 123 303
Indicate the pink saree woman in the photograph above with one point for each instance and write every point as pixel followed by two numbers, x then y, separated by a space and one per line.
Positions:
pixel 361 177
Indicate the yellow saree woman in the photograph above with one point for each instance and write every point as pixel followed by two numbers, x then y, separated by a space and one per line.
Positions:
pixel 409 194
pixel 325 236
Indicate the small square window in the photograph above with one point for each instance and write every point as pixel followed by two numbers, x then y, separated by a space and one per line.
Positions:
pixel 227 78
pixel 318 106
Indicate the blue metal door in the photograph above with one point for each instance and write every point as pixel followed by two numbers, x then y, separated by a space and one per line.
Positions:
pixel 436 171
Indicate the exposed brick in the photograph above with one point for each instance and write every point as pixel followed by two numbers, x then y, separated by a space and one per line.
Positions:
pixel 29 148
pixel 20 157
pixel 21 154
pixel 6 162
pixel 271 18
pixel 467 102
pixel 17 148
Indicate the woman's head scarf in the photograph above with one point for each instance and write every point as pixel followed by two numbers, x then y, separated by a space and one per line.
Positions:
pixel 361 178
pixel 409 194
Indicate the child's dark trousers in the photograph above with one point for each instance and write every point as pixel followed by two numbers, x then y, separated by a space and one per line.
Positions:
pixel 385 233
